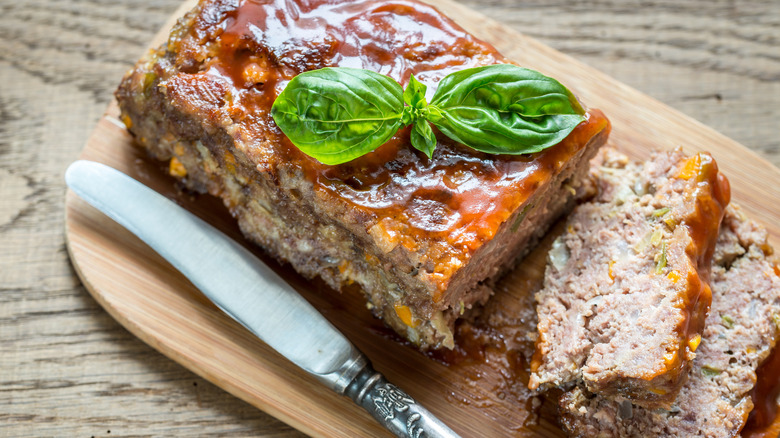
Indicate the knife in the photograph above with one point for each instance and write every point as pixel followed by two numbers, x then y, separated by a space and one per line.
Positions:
pixel 252 294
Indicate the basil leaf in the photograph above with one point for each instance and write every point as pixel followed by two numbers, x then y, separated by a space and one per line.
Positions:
pixel 505 109
pixel 414 95
pixel 338 114
pixel 506 87
pixel 422 137
pixel 483 130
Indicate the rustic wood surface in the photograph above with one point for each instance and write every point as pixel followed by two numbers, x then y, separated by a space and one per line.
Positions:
pixel 68 369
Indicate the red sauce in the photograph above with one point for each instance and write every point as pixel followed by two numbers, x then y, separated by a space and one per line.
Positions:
pixel 496 373
pixel 764 420
pixel 712 194
pixel 448 205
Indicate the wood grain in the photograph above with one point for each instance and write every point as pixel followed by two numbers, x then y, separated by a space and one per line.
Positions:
pixel 150 299
pixel 68 369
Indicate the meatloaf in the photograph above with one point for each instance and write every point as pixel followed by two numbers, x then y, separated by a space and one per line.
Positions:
pixel 626 289
pixel 422 237
pixel 741 329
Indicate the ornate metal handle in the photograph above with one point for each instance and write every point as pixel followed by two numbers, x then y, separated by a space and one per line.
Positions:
pixel 391 406
pixel 394 408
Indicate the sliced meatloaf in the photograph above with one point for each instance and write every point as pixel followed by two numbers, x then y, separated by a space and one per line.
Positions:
pixel 742 328
pixel 625 291
pixel 423 237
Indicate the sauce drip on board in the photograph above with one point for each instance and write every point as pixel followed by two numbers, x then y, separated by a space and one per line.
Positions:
pixel 450 204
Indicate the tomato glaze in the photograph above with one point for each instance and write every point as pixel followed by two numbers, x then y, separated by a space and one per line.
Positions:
pixel 450 204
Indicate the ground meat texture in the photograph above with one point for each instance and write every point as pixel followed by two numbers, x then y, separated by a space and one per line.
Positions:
pixel 626 289
pixel 424 238
pixel 741 329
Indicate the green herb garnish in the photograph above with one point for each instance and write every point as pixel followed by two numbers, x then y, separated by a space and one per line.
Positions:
pixel 338 114
pixel 661 211
pixel 661 263
pixel 710 371
pixel 521 217
pixel 728 321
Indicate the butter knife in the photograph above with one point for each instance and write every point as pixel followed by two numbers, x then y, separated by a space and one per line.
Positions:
pixel 252 294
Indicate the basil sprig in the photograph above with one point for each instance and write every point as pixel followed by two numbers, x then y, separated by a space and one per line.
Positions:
pixel 338 114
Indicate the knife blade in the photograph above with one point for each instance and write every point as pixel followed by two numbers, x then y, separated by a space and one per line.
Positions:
pixel 251 293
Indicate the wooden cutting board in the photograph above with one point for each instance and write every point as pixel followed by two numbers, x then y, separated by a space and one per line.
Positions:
pixel 476 396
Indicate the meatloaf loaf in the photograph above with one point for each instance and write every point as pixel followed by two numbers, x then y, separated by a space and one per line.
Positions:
pixel 742 327
pixel 625 291
pixel 423 237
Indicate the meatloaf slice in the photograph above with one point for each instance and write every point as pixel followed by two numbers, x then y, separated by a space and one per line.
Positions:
pixel 625 291
pixel 423 237
pixel 742 328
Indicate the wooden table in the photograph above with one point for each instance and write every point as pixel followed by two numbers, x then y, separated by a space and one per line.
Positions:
pixel 68 369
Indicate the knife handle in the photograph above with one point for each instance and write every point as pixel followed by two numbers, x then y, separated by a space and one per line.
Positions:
pixel 393 407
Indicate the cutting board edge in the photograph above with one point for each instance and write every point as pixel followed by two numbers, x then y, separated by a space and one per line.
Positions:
pixel 171 354
pixel 112 111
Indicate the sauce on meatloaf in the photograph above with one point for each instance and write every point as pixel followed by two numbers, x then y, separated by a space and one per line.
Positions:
pixel 457 200
pixel 764 419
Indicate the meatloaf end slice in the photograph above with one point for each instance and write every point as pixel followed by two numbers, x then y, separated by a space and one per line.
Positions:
pixel 626 289
pixel 423 237
pixel 741 329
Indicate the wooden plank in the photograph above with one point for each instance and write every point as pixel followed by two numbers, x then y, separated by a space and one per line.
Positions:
pixel 68 369
pixel 159 306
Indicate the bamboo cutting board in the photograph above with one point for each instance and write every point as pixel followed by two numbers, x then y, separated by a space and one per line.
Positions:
pixel 477 396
